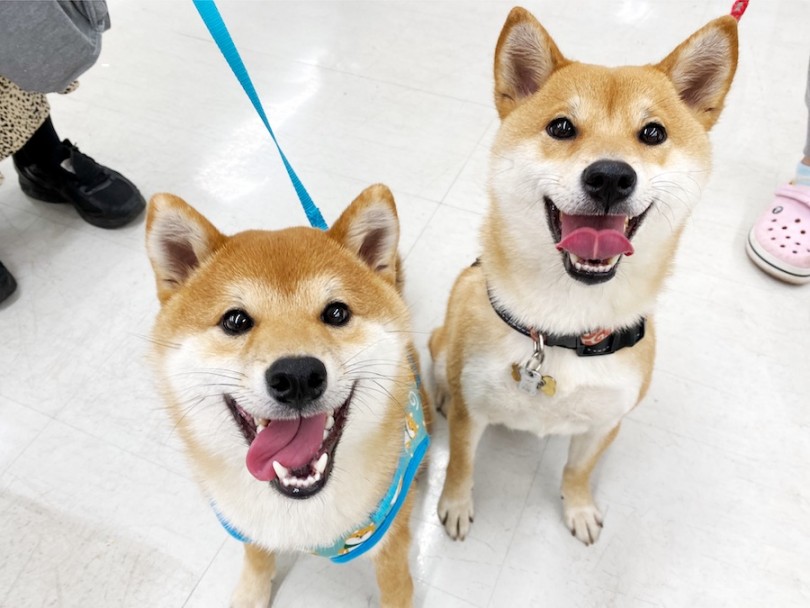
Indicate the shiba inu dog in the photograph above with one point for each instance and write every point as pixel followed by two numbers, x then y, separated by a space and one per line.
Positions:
pixel 286 363
pixel 594 172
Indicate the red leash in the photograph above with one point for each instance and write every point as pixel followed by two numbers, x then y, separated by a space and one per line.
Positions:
pixel 738 8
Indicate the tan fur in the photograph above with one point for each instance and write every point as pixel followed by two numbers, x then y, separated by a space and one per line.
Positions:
pixel 643 356
pixel 283 279
pixel 391 562
pixel 256 579
pixel 534 85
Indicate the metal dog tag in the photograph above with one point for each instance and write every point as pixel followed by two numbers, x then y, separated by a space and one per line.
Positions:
pixel 529 377
pixel 530 381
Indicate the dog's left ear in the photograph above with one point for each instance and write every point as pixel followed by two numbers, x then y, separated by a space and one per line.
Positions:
pixel 703 66
pixel 369 227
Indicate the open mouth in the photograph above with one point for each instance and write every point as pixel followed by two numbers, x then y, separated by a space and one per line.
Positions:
pixel 296 456
pixel 592 245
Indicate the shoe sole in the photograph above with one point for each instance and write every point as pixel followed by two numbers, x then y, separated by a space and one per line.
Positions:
pixel 9 288
pixel 774 266
pixel 47 195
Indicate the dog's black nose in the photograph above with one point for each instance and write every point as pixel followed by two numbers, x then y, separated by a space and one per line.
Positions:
pixel 609 181
pixel 296 381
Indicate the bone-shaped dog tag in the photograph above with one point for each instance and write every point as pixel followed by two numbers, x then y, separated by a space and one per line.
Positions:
pixel 549 386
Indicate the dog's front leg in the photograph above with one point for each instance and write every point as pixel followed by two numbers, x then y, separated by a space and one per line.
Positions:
pixel 581 514
pixel 456 510
pixel 391 562
pixel 256 581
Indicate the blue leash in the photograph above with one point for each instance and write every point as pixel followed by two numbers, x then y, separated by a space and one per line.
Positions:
pixel 213 21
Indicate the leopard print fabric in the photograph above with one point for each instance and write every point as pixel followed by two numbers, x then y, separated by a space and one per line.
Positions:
pixel 21 113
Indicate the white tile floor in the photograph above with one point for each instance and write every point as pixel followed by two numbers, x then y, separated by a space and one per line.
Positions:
pixel 706 492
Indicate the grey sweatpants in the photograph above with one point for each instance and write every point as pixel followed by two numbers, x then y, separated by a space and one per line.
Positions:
pixel 46 44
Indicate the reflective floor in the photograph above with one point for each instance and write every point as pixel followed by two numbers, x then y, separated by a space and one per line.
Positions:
pixel 706 492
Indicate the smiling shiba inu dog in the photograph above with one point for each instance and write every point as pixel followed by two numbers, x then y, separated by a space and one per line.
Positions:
pixel 594 172
pixel 286 362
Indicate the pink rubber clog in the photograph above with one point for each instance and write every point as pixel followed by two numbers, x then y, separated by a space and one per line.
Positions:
pixel 779 242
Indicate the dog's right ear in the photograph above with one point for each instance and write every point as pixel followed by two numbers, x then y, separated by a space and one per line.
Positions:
pixel 524 59
pixel 178 239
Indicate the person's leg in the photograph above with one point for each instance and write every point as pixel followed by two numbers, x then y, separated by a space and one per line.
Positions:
pixel 21 114
pixel 779 242
pixel 43 147
pixel 803 168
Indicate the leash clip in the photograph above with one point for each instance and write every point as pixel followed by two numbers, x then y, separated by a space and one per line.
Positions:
pixel 535 362
pixel 530 377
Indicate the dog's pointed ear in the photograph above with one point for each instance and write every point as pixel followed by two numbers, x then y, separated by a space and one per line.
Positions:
pixel 369 227
pixel 178 239
pixel 524 59
pixel 703 66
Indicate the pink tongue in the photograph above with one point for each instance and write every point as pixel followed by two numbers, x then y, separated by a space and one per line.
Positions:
pixel 594 237
pixel 293 443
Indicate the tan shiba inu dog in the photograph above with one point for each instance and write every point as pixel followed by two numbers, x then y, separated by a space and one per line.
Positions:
pixel 594 172
pixel 286 362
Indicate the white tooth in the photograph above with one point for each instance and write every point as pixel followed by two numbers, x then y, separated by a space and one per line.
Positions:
pixel 574 257
pixel 260 427
pixel 330 422
pixel 325 434
pixel 320 466
pixel 317 476
pixel 308 481
pixel 281 471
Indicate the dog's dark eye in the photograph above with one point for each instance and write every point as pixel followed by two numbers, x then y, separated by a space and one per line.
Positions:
pixel 561 128
pixel 336 314
pixel 235 322
pixel 652 134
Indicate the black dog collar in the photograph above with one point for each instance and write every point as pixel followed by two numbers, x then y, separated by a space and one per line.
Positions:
pixel 599 342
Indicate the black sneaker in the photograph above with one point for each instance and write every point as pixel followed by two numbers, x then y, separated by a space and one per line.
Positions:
pixel 103 197
pixel 7 283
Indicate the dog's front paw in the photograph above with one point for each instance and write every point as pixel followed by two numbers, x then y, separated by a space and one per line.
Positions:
pixel 456 516
pixel 252 597
pixel 584 521
pixel 255 585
